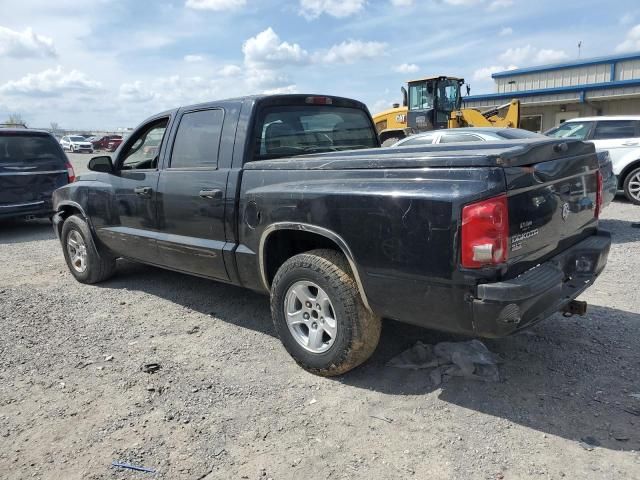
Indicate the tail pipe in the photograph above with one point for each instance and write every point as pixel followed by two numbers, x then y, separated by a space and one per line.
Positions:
pixel 574 307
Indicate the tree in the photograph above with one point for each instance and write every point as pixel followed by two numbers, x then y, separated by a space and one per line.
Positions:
pixel 16 119
pixel 54 127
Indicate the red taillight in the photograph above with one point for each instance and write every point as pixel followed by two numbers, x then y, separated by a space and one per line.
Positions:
pixel 485 233
pixel 70 173
pixel 599 194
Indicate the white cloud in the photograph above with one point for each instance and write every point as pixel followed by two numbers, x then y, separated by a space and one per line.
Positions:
pixel 135 92
pixel 351 51
pixel 550 56
pixel 193 58
pixel 51 82
pixel 483 74
pixel 506 31
pixel 465 3
pixel 627 18
pixel 266 48
pixel 336 8
pixel 25 44
pixel 230 71
pixel 406 68
pixel 215 5
pixel 531 55
pixel 631 42
pixel 401 3
pixel 499 4
pixel 281 90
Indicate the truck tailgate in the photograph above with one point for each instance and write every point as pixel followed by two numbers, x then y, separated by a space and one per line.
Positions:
pixel 552 203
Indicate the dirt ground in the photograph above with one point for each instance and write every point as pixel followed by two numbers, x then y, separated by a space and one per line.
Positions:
pixel 229 403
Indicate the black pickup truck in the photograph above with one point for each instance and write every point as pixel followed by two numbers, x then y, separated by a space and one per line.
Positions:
pixel 292 195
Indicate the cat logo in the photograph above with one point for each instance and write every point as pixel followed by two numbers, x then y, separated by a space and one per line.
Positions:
pixel 401 118
pixel 565 211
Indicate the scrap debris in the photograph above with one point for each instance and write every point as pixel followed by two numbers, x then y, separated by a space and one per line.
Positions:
pixel 470 359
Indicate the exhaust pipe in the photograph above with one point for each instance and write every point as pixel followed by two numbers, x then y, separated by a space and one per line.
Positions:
pixel 574 307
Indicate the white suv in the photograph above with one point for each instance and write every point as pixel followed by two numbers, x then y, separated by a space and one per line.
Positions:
pixel 620 135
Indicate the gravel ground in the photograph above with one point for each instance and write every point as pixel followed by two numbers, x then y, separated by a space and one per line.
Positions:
pixel 228 402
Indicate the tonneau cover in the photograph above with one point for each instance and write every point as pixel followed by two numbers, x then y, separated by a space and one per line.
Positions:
pixel 509 153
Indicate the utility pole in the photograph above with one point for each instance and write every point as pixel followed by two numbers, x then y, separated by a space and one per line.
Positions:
pixel 579 48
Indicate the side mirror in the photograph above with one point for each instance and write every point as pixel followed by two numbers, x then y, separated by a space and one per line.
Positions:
pixel 101 164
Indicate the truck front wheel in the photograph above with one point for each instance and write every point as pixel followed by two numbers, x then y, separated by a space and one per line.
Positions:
pixel 319 314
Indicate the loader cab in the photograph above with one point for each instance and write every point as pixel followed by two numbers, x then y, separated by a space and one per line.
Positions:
pixel 431 101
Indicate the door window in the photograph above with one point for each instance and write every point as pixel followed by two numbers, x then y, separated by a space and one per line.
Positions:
pixel 198 140
pixel 614 129
pixel 143 153
pixel 459 137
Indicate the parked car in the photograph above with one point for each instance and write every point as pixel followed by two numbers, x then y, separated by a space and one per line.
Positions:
pixel 487 134
pixel 76 144
pixel 620 136
pixel 114 143
pixel 458 135
pixel 32 166
pixel 103 142
pixel 292 195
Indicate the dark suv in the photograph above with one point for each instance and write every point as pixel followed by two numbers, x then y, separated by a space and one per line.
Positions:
pixel 32 166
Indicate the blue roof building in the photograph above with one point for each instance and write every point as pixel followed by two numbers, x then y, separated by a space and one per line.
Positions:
pixel 551 94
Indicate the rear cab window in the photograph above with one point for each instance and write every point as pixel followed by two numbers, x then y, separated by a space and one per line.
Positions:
pixel 290 130
pixel 31 149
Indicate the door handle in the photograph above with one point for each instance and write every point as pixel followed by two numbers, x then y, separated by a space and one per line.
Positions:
pixel 630 144
pixel 143 191
pixel 213 193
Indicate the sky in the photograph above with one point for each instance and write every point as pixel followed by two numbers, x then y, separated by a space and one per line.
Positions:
pixel 109 64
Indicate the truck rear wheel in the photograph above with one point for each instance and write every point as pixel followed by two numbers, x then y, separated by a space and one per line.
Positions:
pixel 319 314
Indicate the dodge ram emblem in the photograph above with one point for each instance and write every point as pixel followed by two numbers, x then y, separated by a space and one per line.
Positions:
pixel 565 211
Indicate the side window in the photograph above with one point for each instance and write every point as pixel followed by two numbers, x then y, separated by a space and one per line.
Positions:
pixel 418 140
pixel 143 153
pixel 576 129
pixel 614 129
pixel 198 140
pixel 459 137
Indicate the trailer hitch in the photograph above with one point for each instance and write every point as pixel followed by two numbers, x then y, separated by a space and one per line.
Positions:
pixel 574 307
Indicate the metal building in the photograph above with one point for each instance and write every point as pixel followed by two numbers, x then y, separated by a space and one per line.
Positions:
pixel 551 94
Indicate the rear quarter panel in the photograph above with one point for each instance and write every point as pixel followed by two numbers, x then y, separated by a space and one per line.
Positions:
pixel 400 224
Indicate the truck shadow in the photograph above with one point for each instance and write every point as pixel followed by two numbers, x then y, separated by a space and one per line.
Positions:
pixel 209 297
pixel 622 231
pixel 20 231
pixel 566 377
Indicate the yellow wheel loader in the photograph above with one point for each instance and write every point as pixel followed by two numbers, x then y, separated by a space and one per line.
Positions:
pixel 434 103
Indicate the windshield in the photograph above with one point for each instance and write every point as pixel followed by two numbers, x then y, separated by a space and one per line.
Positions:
pixel 419 97
pixel 77 139
pixel 448 93
pixel 23 148
pixel 297 130
pixel 578 130
pixel 515 133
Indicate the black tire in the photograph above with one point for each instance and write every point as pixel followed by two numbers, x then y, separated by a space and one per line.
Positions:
pixel 635 176
pixel 391 141
pixel 100 265
pixel 358 330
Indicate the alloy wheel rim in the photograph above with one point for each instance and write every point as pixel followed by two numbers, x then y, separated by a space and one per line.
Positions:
pixel 310 316
pixel 634 186
pixel 77 250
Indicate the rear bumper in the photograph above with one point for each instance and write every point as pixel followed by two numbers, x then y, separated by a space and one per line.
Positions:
pixel 39 208
pixel 502 308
